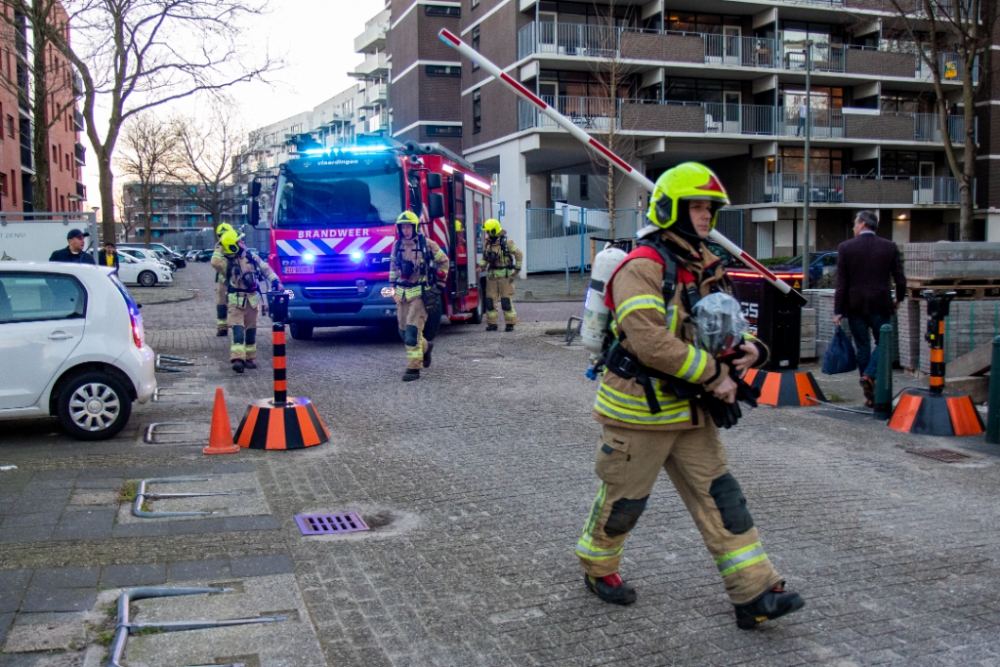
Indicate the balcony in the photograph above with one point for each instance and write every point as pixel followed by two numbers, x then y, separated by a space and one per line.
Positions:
pixel 372 38
pixel 375 63
pixel 77 120
pixel 375 95
pixel 81 190
pixel 81 154
pixel 844 189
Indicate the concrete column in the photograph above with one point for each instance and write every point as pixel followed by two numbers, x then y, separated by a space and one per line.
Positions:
pixel 513 192
pixel 993 227
pixel 900 221
pixel 540 188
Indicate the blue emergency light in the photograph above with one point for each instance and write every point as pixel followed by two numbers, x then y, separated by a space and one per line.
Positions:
pixel 357 255
pixel 308 257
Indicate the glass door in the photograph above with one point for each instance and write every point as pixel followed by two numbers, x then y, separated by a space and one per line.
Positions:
pixel 925 183
pixel 732 112
pixel 731 45
pixel 547 32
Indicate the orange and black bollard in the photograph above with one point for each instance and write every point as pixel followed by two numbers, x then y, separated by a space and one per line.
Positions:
pixel 932 411
pixel 281 423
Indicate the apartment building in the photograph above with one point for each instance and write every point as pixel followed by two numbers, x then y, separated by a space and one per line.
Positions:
pixel 173 208
pixel 66 153
pixel 723 82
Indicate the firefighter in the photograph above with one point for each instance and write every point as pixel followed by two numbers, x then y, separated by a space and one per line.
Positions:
pixel 502 262
pixel 644 431
pixel 417 272
pixel 243 272
pixel 221 328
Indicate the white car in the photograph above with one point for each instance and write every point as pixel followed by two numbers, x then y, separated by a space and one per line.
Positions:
pixel 133 271
pixel 146 255
pixel 72 345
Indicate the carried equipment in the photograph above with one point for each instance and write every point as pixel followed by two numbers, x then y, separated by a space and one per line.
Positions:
pixel 594 328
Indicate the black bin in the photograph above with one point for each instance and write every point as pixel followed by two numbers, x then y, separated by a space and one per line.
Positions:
pixel 774 318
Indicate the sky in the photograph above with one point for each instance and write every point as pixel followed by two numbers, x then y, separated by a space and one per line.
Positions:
pixel 315 38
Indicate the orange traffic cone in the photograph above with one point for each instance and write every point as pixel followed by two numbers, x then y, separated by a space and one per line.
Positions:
pixel 220 440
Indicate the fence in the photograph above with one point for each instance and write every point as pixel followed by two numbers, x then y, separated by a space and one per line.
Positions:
pixel 840 188
pixel 204 239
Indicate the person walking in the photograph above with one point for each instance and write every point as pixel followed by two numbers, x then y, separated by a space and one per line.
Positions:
pixel 803 115
pixel 221 295
pixel 73 252
pixel 108 256
pixel 865 264
pixel 502 263
pixel 418 270
pixel 646 427
pixel 243 272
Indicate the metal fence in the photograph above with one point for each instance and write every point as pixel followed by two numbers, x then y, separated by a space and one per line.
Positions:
pixel 204 239
pixel 830 189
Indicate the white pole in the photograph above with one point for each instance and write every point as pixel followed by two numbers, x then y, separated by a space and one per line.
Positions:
pixel 453 41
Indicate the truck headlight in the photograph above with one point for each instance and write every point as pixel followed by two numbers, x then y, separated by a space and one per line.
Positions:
pixel 388 292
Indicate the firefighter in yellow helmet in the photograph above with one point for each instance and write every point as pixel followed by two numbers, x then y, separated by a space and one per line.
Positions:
pixel 502 262
pixel 242 272
pixel 418 271
pixel 221 328
pixel 648 427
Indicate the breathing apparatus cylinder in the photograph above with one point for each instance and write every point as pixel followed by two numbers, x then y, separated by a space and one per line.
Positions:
pixel 595 313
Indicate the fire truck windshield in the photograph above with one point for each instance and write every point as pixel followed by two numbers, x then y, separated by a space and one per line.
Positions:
pixel 309 198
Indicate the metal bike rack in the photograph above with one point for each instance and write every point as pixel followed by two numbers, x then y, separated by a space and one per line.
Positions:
pixel 142 495
pixel 161 393
pixel 153 430
pixel 166 363
pixel 125 627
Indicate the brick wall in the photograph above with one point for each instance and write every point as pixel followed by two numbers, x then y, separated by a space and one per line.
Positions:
pixel 498 42
pixel 877 191
pixel 880 63
pixel 663 117
pixel 10 152
pixel 857 126
pixel 673 48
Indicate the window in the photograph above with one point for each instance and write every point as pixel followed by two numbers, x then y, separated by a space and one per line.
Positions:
pixel 584 187
pixel 3 185
pixel 444 130
pixel 37 297
pixel 13 187
pixel 475 45
pixel 444 70
pixel 474 4
pixel 477 112
pixel 442 10
pixel 10 126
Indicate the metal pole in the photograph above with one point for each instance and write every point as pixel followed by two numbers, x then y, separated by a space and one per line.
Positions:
pixel 808 175
pixel 883 377
pixel 993 415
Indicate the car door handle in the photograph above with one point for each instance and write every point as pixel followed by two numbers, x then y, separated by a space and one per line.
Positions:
pixel 60 335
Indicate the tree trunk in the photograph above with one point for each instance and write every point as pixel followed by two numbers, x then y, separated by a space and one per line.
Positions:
pixel 968 180
pixel 40 133
pixel 106 185
pixel 611 197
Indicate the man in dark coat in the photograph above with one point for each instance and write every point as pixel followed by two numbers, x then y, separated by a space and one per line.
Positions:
pixel 864 266
pixel 73 252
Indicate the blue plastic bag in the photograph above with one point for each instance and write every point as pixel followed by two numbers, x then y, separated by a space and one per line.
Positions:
pixel 839 357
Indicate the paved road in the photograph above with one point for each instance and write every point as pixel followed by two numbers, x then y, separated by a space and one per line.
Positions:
pixel 476 481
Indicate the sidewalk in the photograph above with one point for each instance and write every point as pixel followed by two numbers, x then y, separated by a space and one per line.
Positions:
pixel 552 287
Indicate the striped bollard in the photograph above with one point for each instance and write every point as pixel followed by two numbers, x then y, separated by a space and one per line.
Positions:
pixel 280 367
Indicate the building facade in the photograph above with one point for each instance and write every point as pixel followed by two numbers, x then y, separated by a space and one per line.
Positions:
pixel 66 154
pixel 174 207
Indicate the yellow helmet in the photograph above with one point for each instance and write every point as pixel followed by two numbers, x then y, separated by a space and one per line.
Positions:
pixel 492 227
pixel 222 229
pixel 230 242
pixel 407 218
pixel 689 180
pixel 458 226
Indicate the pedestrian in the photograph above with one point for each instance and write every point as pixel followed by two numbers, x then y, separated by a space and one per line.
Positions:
pixel 864 266
pixel 803 115
pixel 502 263
pixel 646 427
pixel 221 295
pixel 243 272
pixel 417 271
pixel 108 256
pixel 73 252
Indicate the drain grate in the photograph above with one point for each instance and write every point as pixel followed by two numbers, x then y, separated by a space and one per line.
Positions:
pixel 946 455
pixel 330 524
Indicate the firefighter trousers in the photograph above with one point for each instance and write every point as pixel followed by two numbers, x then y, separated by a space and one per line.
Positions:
pixel 221 303
pixel 628 463
pixel 500 290
pixel 411 317
pixel 242 321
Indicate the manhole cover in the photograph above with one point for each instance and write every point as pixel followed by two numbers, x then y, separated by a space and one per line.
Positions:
pixel 330 524
pixel 946 455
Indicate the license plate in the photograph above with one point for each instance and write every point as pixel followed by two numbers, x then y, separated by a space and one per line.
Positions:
pixel 300 269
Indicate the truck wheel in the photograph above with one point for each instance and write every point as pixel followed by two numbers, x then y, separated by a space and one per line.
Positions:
pixel 300 331
pixel 147 278
pixel 94 406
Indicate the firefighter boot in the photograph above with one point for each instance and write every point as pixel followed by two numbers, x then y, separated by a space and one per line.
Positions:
pixel 427 355
pixel 509 328
pixel 222 332
pixel 491 327
pixel 249 363
pixel 238 365
pixel 411 374
pixel 774 603
pixel 610 589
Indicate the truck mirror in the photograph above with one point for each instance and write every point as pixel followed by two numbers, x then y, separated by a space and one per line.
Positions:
pixel 255 188
pixel 435 205
pixel 254 218
pixel 433 181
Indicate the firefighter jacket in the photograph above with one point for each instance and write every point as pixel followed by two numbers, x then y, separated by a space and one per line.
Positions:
pixel 662 337
pixel 501 258
pixel 243 273
pixel 416 264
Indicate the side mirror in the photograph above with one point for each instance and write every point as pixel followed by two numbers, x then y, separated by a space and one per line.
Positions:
pixel 433 181
pixel 254 218
pixel 255 188
pixel 435 205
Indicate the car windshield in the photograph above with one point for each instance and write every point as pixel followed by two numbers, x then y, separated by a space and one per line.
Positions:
pixel 320 198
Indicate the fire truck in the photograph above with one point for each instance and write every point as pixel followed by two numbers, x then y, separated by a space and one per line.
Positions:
pixel 332 223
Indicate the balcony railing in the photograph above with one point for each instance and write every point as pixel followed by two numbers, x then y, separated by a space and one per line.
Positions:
pixel 846 189
pixel 372 64
pixel 371 36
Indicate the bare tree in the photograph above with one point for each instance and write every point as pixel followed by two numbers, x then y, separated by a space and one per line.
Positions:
pixel 149 148
pixel 966 26
pixel 46 78
pixel 135 55
pixel 125 214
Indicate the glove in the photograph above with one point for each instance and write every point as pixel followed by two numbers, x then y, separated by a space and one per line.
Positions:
pixel 276 286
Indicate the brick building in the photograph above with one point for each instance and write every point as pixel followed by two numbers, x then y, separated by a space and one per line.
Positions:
pixel 66 154
pixel 173 208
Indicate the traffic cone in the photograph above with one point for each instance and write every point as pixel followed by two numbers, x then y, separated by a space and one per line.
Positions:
pixel 220 440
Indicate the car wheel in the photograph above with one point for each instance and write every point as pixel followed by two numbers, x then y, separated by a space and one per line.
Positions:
pixel 147 278
pixel 300 331
pixel 94 406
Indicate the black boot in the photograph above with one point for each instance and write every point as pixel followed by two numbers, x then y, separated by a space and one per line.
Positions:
pixel 615 592
pixel 774 603
pixel 491 327
pixel 427 355
pixel 222 332
pixel 238 365
pixel 411 374
pixel 249 363
pixel 509 328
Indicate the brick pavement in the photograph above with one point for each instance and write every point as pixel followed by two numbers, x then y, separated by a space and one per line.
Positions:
pixel 477 480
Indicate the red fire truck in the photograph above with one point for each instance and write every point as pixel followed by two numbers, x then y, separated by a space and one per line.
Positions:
pixel 333 230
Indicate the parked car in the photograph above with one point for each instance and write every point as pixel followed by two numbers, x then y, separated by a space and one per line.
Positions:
pixel 133 271
pixel 177 259
pixel 190 255
pixel 146 255
pixel 819 264
pixel 205 255
pixel 74 347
